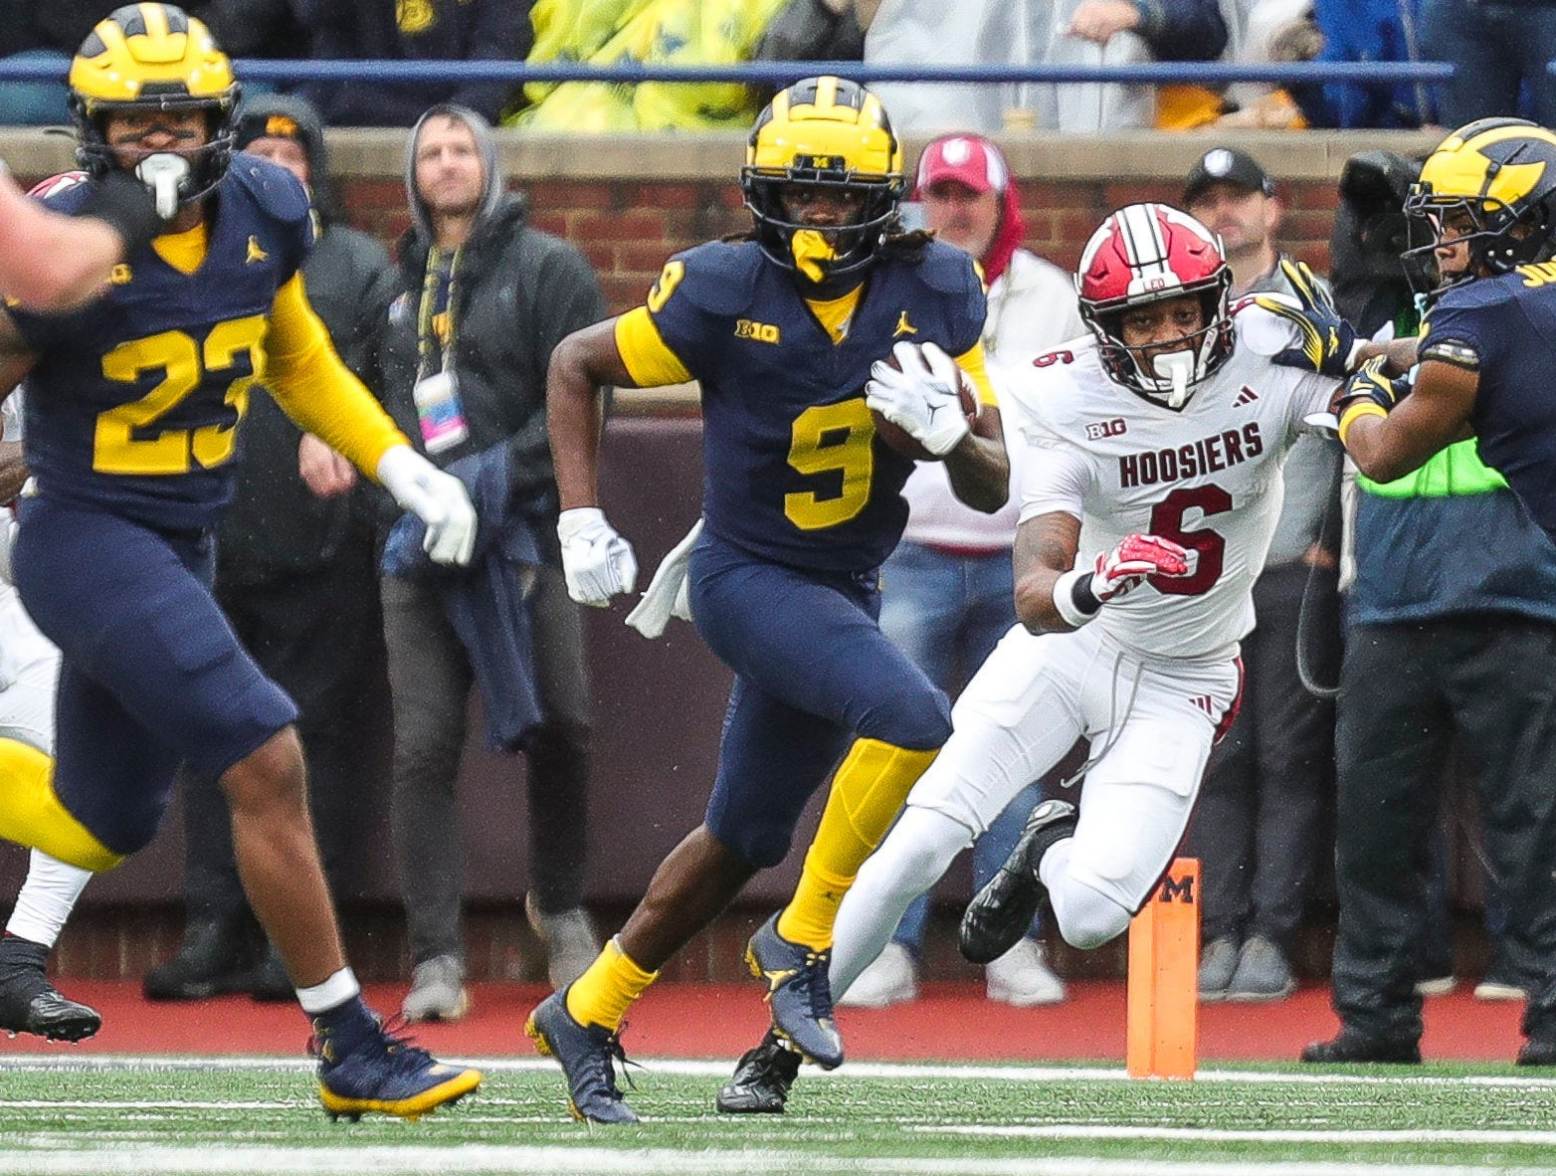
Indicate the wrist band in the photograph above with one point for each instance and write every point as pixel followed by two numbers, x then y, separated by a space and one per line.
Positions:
pixel 1355 412
pixel 1074 600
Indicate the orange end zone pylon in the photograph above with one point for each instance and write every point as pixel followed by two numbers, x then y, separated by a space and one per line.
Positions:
pixel 1163 978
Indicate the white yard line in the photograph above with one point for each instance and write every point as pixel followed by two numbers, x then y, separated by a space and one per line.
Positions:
pixel 1512 1137
pixel 536 1161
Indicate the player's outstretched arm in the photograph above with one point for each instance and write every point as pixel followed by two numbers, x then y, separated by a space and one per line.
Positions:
pixel 1053 595
pixel 53 262
pixel 596 561
pixel 1390 428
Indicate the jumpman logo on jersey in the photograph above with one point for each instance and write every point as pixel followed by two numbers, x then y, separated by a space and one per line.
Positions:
pixel 1246 396
pixel 903 326
pixel 256 251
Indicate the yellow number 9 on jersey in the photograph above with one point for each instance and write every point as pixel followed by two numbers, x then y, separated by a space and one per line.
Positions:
pixel 118 443
pixel 824 438
pixel 669 278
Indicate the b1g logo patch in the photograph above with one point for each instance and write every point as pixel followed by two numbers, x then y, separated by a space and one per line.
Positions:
pixel 1097 430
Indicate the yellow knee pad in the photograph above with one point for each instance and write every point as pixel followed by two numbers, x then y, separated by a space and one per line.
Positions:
pixel 31 813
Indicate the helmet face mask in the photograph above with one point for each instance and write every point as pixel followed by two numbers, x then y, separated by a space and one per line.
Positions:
pixel 829 136
pixel 150 59
pixel 1489 187
pixel 1146 254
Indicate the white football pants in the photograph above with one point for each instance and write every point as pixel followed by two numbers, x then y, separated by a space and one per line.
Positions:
pixel 1151 723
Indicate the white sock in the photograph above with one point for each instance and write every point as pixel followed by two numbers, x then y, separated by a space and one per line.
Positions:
pixel 915 855
pixel 335 991
pixel 47 897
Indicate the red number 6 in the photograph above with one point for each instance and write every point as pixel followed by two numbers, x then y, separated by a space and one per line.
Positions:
pixel 1167 522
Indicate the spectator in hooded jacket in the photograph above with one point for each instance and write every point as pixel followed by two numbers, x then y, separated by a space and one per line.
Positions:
pixel 480 299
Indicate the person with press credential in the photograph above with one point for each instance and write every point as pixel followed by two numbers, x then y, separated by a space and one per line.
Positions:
pixel 478 303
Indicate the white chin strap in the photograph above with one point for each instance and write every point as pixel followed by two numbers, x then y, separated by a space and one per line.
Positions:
pixel 1177 368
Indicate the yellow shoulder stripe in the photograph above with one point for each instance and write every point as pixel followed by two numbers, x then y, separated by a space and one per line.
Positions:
pixel 648 360
pixel 971 362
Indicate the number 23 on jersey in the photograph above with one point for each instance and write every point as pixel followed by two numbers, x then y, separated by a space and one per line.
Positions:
pixel 128 440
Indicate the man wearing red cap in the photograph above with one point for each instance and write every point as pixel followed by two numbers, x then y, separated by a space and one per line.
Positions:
pixel 947 589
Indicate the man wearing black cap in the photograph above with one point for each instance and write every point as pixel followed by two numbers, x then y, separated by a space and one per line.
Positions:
pixel 1232 196
pixel 1256 828
pixel 295 576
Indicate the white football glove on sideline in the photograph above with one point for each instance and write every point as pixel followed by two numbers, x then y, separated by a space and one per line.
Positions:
pixel 921 399
pixel 597 562
pixel 438 499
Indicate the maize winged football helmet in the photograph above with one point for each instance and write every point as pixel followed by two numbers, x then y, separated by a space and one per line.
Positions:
pixel 834 133
pixel 1493 184
pixel 151 57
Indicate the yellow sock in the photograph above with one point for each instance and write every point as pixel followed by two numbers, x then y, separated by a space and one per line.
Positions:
pixel 32 815
pixel 602 995
pixel 867 791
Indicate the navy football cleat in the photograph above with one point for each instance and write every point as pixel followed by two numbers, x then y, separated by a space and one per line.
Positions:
pixel 29 1003
pixel 383 1073
pixel 587 1055
pixel 1002 911
pixel 762 1078
pixel 798 993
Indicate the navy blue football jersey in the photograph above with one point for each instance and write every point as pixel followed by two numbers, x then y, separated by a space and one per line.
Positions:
pixel 136 399
pixel 793 469
pixel 1506 327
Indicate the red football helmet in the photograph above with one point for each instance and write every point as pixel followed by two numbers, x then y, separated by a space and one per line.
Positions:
pixel 1146 253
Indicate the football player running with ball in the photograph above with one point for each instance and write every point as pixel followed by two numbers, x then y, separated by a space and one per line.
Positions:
pixel 787 333
pixel 1149 496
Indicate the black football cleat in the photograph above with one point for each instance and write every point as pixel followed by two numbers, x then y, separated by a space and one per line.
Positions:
pixel 587 1055
pixel 762 1078
pixel 29 1003
pixel 798 993
pixel 1001 913
pixel 1350 1046
pixel 1539 1050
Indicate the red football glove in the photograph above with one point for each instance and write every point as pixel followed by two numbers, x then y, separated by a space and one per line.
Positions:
pixel 1135 558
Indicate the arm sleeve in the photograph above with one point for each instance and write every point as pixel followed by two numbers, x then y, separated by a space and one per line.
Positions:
pixel 316 390
pixel 1054 476
pixel 1461 334
pixel 972 362
pixel 644 353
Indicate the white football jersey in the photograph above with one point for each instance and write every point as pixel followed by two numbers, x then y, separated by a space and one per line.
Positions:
pixel 1207 477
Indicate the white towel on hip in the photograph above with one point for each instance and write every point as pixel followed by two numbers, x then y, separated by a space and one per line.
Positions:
pixel 666 595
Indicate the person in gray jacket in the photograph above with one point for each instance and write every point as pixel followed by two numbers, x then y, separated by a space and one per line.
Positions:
pixel 294 575
pixel 480 301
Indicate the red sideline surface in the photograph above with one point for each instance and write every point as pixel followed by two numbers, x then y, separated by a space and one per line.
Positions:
pixel 948 1022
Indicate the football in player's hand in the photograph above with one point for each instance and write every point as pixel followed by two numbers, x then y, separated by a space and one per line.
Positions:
pixel 903 442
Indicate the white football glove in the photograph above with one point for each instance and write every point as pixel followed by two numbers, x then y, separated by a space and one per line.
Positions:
pixel 438 499
pixel 921 399
pixel 1080 594
pixel 597 562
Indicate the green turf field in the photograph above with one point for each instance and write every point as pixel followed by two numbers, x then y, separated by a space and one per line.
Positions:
pixel 106 1115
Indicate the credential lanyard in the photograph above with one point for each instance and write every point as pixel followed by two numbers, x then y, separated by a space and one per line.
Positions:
pixel 426 333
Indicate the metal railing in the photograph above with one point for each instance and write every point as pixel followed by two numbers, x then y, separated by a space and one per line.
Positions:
pixel 779 73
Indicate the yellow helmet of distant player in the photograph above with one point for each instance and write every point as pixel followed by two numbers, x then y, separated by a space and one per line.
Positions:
pixel 1494 182
pixel 832 133
pixel 151 57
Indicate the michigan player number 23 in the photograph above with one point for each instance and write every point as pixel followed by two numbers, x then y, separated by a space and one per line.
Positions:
pixel 127 439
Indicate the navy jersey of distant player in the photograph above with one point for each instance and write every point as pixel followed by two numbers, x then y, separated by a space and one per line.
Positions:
pixel 793 471
pixel 1505 327
pixel 136 399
